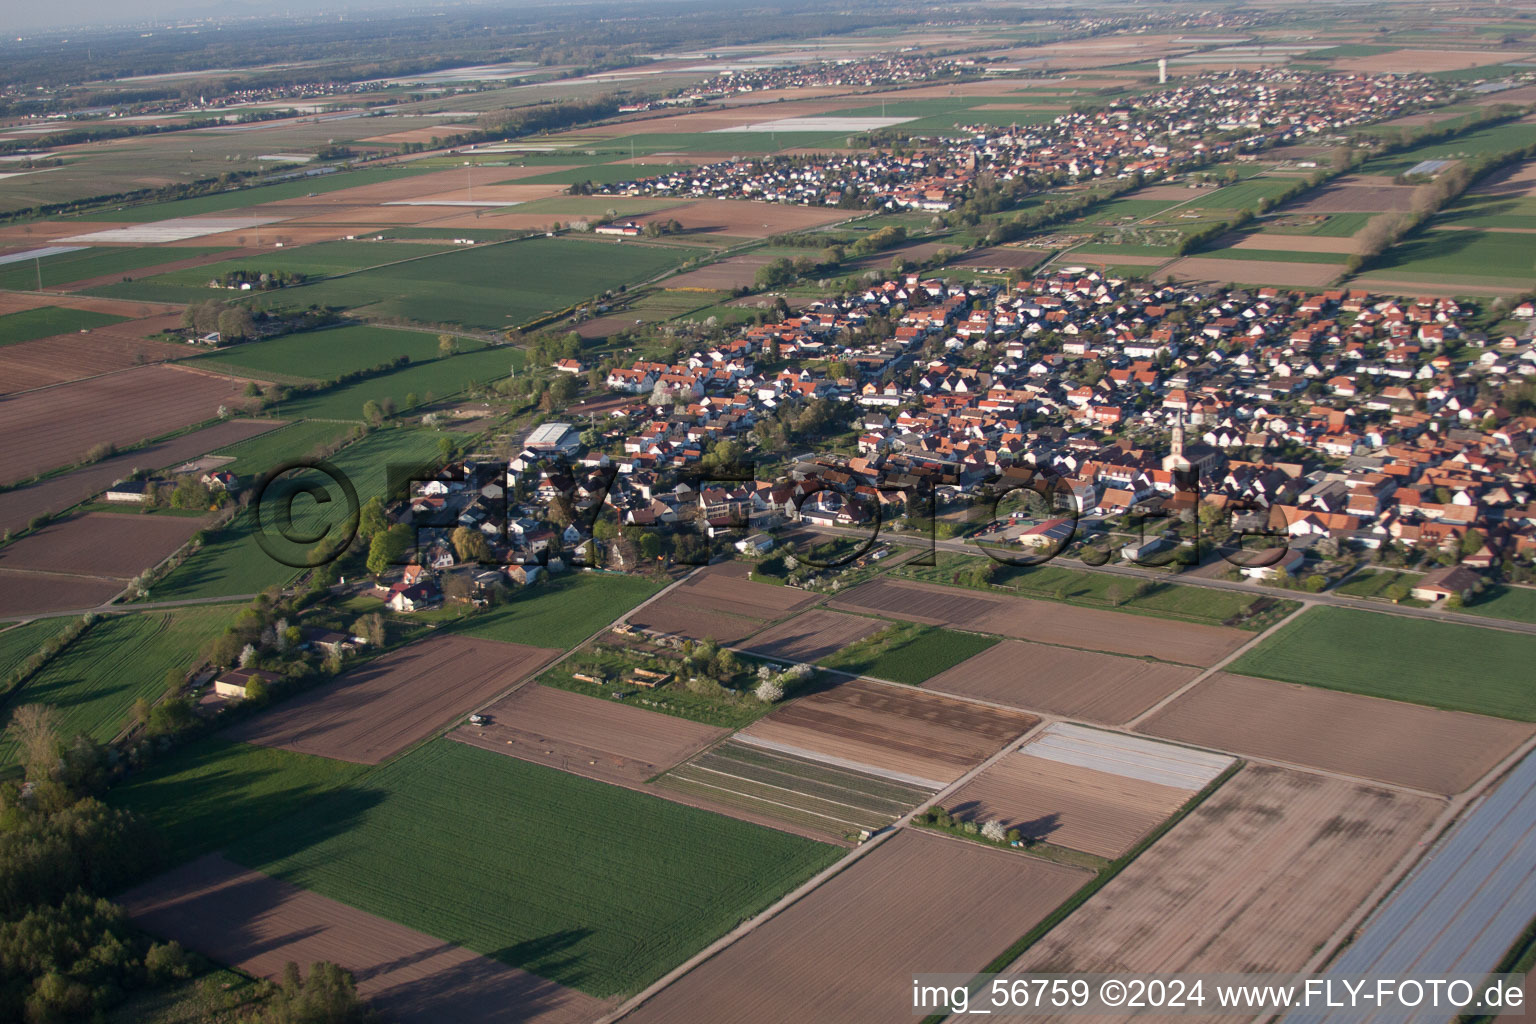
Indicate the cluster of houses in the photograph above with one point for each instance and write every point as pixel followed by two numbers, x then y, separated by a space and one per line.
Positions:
pixel 1205 118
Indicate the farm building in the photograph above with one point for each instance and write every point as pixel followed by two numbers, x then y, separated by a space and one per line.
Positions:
pixel 233 683
pixel 1440 584
pixel 554 437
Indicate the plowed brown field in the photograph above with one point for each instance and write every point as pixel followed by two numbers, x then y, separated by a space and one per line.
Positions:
pixel 592 736
pixel 56 426
pixel 1046 621
pixel 743 218
pixel 258 924
pixel 1093 811
pixel 104 544
pixel 813 635
pixel 1080 684
pixel 846 952
pixel 892 729
pixel 1344 197
pixel 720 602
pixel 383 707
pixel 18 506
pixel 1252 880
pixel 1406 744
pixel 1275 272
pixel 38 593
pixel 65 357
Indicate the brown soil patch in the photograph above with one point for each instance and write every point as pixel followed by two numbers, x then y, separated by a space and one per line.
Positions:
pixel 1343 197
pixel 258 924
pixel 495 193
pixel 1046 621
pixel 1165 192
pixel 846 952
pixel 720 602
pixel 66 357
pixel 60 424
pixel 1079 684
pixel 1275 272
pixel 917 252
pixel 1423 61
pixel 1253 879
pixel 734 272
pixel 592 736
pixel 1092 811
pixel 1405 744
pixel 1388 286
pixel 1519 180
pixel 378 710
pixel 438 131
pixel 19 506
pixel 1002 256
pixel 744 218
pixel 101 544
pixel 812 636
pixel 26 594
pixel 892 729
pixel 1296 243
pixel 12 302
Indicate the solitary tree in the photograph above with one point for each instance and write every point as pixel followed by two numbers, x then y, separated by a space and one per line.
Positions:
pixel 770 691
pixel 447 344
pixel 34 729
pixel 994 831
pixel 470 545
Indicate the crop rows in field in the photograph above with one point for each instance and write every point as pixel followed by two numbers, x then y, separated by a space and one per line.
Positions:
pixel 821 797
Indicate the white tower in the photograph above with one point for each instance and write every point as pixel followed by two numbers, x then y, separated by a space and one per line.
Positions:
pixel 1162 71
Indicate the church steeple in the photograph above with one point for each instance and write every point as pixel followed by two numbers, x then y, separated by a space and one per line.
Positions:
pixel 1175 459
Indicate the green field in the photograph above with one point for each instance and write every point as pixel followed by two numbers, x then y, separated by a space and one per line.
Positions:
pixel 563 610
pixel 1374 584
pixel 208 793
pixel 1444 665
pixel 1334 225
pixel 95 681
pixel 1502 255
pixel 231 562
pixel 1244 195
pixel 237 199
pixel 1351 50
pixel 429 382
pixel 1117 210
pixel 19 643
pixel 597 174
pixel 1485 211
pixel 491 286
pixel 1501 602
pixel 1501 138
pixel 329 353
pixel 908 652
pixel 256 455
pixel 1055 582
pixel 589 885
pixel 68 267
pixel 48 320
pixel 321 260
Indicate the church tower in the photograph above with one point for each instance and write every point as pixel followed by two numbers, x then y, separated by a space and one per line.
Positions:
pixel 1175 459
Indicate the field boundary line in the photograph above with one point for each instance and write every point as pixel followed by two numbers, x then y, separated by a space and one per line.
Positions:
pixel 759 782
pixel 1455 808
pixel 1259 638
pixel 808 886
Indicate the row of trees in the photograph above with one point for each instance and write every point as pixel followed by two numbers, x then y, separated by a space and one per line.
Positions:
pixel 233 322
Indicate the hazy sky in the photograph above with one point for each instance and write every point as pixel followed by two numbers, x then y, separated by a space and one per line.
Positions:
pixel 21 16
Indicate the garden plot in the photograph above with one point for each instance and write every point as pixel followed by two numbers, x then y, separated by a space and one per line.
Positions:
pixel 899 733
pixel 802 795
pixel 1098 792
pixel 592 736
